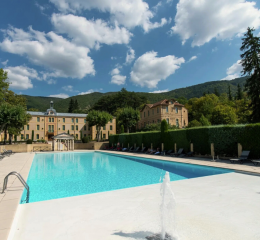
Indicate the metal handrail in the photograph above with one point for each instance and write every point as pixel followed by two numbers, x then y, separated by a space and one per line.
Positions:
pixel 21 180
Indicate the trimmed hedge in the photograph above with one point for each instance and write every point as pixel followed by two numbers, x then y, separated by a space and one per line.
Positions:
pixel 224 137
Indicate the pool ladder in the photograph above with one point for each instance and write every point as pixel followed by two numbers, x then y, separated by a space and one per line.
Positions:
pixel 21 180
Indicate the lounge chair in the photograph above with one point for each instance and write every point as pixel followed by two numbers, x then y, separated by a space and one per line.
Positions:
pixel 178 153
pixel 243 157
pixel 7 151
pixel 136 149
pixel 148 151
pixel 256 162
pixel 189 154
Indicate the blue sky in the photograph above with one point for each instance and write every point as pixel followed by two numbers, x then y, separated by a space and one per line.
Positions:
pixel 68 47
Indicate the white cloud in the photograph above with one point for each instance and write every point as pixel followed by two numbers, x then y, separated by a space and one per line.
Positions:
pixel 130 56
pixel 116 77
pixel 149 70
pixel 130 13
pixel 61 57
pixel 20 77
pixel 214 49
pixel 87 92
pixel 60 95
pixel 234 71
pixel 51 81
pixel 222 19
pixel 5 62
pixel 113 58
pixel 157 6
pixel 90 33
pixel 160 91
pixel 68 88
pixel 192 58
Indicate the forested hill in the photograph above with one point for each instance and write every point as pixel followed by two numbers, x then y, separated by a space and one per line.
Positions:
pixel 61 105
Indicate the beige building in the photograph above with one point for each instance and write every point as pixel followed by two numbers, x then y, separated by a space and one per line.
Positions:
pixel 50 123
pixel 169 109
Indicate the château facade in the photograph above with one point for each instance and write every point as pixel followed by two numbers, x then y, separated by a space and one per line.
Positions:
pixel 50 123
pixel 169 109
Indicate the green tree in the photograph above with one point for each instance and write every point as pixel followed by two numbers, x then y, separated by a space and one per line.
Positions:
pixel 128 117
pixel 223 115
pixel 33 109
pixel 4 84
pixel 164 130
pixel 230 98
pixel 32 135
pixel 239 94
pixel 194 123
pixel 98 119
pixel 71 106
pixel 250 61
pixel 122 129
pixel 76 106
pixel 204 121
pixel 216 92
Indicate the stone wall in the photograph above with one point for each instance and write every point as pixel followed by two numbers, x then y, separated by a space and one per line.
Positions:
pixel 25 147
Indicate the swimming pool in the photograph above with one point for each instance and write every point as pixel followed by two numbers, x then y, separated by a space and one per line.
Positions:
pixel 59 175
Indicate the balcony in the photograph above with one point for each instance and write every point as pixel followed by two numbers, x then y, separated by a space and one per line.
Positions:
pixel 50 131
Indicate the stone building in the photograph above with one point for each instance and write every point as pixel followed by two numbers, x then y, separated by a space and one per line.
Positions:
pixel 169 109
pixel 50 123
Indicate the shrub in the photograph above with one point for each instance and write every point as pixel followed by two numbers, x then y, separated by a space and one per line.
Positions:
pixel 29 141
pixel 85 139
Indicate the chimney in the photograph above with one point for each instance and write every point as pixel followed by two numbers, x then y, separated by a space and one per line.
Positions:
pixel 51 104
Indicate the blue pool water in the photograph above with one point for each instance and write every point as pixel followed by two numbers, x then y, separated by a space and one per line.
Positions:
pixel 60 175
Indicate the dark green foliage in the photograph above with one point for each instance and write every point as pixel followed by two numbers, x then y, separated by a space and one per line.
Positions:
pixel 29 141
pixel 194 123
pixel 225 139
pixel 230 98
pixel 155 127
pixel 68 131
pixel 71 106
pixel 88 100
pixel 204 121
pixel 85 139
pixel 223 114
pixel 239 94
pixel 250 60
pixel 81 135
pixel 122 129
pixel 164 130
pixel 32 135
pixel 15 138
pixel 128 117
pixel 216 92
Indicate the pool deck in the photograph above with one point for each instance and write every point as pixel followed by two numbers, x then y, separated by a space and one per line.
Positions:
pixel 215 207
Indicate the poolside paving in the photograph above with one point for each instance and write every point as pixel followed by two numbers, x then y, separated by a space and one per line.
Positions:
pixel 224 206
pixel 207 206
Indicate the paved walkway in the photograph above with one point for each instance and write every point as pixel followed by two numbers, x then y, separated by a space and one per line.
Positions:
pixel 9 201
pixel 246 167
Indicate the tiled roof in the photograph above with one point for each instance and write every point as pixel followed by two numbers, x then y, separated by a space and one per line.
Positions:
pixel 163 102
pixel 58 114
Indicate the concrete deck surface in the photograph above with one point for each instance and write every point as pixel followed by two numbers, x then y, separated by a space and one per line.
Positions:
pixel 224 206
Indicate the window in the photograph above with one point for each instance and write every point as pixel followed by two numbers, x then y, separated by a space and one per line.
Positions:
pixel 96 128
pixel 144 114
pixel 52 119
pixel 158 110
pixel 77 136
pixel 63 119
pixel 22 136
pixel 148 114
pixel 23 128
pixel 184 123
pixel 153 111
pixel 37 136
pixel 85 128
pixel 104 128
pixel 158 120
pixel 176 110
pixel 49 119
pixel 111 127
pixel 28 127
pixel 167 109
pixel 63 127
pixel 167 120
pixel 77 120
pixel 110 121
pixel 77 127
pixel 38 127
pixel 85 135
pixel 104 136
pixel 38 119
pixel 72 120
pixel 85 120
pixel 177 122
pixel 27 136
pixel 89 128
pixel 51 128
pixel 72 127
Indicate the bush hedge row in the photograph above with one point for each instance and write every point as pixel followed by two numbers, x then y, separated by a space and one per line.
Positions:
pixel 224 137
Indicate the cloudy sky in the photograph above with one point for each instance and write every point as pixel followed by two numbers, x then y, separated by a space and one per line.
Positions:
pixel 69 47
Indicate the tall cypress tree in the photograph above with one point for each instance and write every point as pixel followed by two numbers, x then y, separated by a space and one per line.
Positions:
pixel 76 105
pixel 239 94
pixel 71 106
pixel 250 61
pixel 230 98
